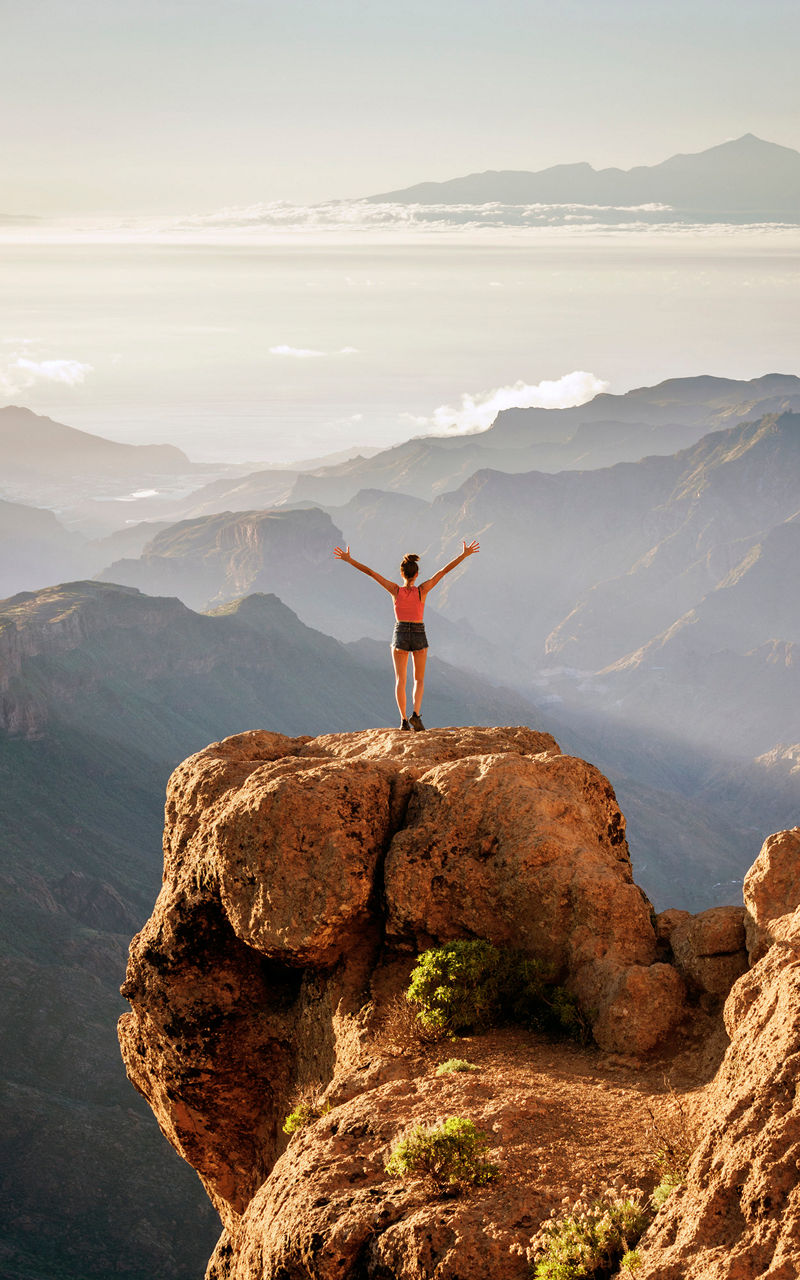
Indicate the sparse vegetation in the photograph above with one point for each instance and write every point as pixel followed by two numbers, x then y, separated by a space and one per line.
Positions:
pixel 454 1154
pixel 455 1064
pixel 471 984
pixel 669 1183
pixel 592 1239
pixel 631 1262
pixel 401 1030
pixel 308 1107
pixel 674 1138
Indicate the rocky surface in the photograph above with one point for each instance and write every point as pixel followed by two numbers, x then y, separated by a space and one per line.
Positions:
pixel 738 1217
pixel 772 893
pixel 302 876
pixel 555 1116
pixel 709 949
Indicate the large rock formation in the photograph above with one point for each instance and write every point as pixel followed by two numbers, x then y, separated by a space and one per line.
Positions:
pixel 738 1217
pixel 301 878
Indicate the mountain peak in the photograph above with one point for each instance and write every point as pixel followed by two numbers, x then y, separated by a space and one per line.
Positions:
pixel 718 179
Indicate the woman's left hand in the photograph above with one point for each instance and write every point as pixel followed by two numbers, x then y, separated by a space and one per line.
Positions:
pixel 472 549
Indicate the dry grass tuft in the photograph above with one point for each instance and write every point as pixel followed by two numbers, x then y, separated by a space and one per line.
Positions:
pixel 400 1032
pixel 673 1136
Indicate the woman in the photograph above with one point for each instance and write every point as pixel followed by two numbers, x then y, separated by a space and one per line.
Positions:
pixel 409 629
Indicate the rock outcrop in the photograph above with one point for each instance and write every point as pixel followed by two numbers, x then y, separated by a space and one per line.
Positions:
pixel 772 894
pixel 302 876
pixel 738 1217
pixel 709 950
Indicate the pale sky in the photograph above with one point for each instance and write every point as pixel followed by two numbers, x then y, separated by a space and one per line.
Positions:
pixel 192 105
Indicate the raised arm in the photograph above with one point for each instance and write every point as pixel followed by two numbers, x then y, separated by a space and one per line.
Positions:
pixel 471 550
pixel 344 554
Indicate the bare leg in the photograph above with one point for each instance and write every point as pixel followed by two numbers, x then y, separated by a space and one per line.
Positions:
pixel 420 658
pixel 400 659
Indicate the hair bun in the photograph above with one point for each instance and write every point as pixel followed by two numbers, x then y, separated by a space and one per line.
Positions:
pixel 409 565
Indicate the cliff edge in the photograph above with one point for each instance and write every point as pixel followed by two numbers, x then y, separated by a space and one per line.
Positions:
pixel 302 878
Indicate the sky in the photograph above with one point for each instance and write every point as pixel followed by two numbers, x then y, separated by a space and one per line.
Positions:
pixel 192 105
pixel 188 275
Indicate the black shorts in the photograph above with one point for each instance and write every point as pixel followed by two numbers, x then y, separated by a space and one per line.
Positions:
pixel 409 636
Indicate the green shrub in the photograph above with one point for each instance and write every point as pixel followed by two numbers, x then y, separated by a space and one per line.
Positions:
pixel 631 1261
pixel 303 1114
pixel 590 1241
pixel 452 1155
pixel 669 1183
pixel 471 984
pixel 455 1064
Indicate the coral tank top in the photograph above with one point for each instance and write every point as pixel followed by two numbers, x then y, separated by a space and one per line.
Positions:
pixel 409 605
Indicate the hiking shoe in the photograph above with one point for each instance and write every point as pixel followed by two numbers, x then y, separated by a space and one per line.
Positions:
pixel 404 724
pixel 416 723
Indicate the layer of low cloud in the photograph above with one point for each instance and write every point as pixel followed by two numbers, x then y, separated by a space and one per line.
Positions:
pixel 20 372
pixel 379 223
pixel 478 410
pixel 310 353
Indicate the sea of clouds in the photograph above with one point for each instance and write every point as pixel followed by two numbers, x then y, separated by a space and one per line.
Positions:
pixel 365 220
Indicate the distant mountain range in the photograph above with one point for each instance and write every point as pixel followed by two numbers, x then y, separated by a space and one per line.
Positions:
pixel 611 560
pixel 606 430
pixel 34 445
pixel 746 176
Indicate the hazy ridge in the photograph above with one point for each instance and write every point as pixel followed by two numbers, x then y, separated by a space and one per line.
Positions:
pixel 743 176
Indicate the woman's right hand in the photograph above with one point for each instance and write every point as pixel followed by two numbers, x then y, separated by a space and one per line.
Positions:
pixel 343 554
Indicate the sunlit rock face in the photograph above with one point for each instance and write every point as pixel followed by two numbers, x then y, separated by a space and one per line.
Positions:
pixel 301 873
pixel 738 1217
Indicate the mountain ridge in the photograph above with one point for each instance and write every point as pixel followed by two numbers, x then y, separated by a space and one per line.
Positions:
pixel 746 174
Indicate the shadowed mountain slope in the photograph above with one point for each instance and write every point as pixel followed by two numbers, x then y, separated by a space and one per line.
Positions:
pixel 38 549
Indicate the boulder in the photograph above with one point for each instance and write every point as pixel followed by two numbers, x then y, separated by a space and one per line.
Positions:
pixel 666 923
pixel 529 852
pixel 709 950
pixel 772 893
pixel 643 1003
pixel 301 874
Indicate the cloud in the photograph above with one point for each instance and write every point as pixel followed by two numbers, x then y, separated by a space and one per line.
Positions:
pixel 478 411
pixel 21 372
pixel 310 353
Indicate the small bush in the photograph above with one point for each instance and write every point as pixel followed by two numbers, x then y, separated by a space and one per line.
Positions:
pixel 669 1183
pixel 631 1261
pixel 401 1030
pixel 452 1155
pixel 590 1241
pixel 455 1064
pixel 470 985
pixel 308 1107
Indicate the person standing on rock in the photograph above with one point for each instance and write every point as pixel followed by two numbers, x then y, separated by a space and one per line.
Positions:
pixel 409 629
